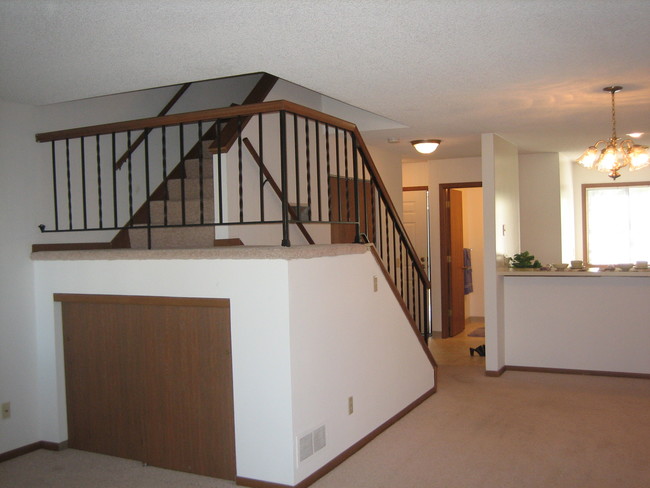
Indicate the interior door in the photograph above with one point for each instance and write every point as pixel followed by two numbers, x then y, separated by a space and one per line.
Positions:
pixel 456 263
pixel 415 221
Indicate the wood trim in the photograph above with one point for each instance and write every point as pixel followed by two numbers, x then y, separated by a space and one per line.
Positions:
pixel 72 246
pixel 587 372
pixel 230 131
pixel 35 446
pixel 233 241
pixel 407 314
pixel 495 374
pixel 253 483
pixel 445 245
pixel 143 300
pixel 415 188
pixel 356 447
pixel 197 116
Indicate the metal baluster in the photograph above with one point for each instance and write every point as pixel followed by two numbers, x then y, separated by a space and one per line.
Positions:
pixel 296 165
pixel 387 241
pixel 308 163
pixel 163 134
pixel 147 187
pixel 114 176
pixel 318 178
pixel 328 167
pixel 260 137
pixel 401 268
pixel 338 174
pixel 347 177
pixel 130 168
pixel 241 169
pixel 366 224
pixel 83 182
pixel 219 175
pixel 67 163
pixel 181 144
pixel 355 190
pixel 56 198
pixel 200 135
pixel 284 182
pixel 99 182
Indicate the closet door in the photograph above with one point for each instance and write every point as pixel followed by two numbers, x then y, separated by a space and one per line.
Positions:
pixel 150 378
pixel 102 354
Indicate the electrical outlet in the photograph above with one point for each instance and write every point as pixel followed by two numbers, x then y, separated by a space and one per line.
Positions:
pixel 6 410
pixel 350 405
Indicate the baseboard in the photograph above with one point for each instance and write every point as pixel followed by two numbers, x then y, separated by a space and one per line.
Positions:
pixel 471 320
pixel 71 246
pixel 588 372
pixel 319 473
pixel 495 374
pixel 21 451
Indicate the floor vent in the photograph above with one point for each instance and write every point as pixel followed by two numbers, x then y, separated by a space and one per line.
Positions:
pixel 311 443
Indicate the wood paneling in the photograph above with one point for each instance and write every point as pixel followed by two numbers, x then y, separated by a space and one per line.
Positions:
pixel 151 381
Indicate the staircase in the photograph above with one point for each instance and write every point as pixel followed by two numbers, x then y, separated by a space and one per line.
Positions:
pixel 190 193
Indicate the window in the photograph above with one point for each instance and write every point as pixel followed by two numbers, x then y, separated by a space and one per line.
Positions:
pixel 616 219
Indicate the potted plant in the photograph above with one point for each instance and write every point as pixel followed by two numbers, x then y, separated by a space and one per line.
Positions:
pixel 523 260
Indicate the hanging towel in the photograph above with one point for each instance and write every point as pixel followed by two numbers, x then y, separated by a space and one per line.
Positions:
pixel 467 268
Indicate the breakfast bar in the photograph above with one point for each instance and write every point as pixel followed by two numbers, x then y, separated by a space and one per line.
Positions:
pixel 589 321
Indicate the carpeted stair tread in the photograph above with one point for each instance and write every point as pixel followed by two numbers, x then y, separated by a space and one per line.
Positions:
pixel 192 167
pixel 175 212
pixel 192 188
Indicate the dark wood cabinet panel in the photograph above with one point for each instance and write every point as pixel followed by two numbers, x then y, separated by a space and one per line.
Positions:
pixel 151 382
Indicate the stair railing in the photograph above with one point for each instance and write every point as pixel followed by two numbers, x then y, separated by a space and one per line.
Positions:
pixel 319 164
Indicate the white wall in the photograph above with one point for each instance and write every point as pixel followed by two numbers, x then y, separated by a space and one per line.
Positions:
pixel 540 206
pixel 19 167
pixel 296 357
pixel 501 226
pixel 349 341
pixel 582 322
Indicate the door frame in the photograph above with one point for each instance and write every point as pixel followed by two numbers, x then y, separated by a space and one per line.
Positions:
pixel 445 249
pixel 428 233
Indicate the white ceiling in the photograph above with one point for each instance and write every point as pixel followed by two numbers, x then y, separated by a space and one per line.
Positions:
pixel 529 70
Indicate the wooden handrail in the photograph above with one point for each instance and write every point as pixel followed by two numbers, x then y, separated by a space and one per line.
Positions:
pixel 363 149
pixel 248 110
pixel 141 137
pixel 198 116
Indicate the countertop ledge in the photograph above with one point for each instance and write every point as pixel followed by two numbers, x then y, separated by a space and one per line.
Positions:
pixel 587 273
pixel 236 252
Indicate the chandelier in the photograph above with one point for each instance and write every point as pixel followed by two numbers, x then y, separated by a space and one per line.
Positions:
pixel 611 155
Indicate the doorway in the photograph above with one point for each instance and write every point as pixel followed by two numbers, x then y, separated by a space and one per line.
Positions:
pixel 461 256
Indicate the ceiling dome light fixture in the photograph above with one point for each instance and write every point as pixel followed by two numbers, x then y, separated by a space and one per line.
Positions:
pixel 426 146
pixel 611 155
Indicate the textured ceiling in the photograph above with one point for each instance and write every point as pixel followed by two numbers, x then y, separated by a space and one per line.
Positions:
pixel 529 70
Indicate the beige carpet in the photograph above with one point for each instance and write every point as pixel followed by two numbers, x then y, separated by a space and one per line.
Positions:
pixel 519 430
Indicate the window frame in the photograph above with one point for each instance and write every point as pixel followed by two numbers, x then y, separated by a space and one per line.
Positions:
pixel 585 235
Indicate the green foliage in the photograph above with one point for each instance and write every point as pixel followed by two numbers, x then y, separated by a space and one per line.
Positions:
pixel 524 260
